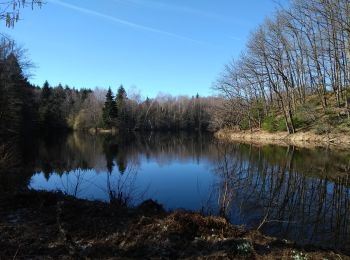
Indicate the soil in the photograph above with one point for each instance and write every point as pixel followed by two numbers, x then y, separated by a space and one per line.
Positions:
pixel 299 139
pixel 42 225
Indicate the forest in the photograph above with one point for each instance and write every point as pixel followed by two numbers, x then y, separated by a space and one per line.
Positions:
pixel 25 108
pixel 146 172
pixel 294 74
pixel 294 71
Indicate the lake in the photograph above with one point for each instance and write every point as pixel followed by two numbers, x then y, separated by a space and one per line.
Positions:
pixel 290 192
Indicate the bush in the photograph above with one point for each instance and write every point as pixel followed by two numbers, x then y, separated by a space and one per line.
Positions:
pixel 322 129
pixel 299 121
pixel 269 124
pixel 273 124
pixel 244 125
pixel 281 124
pixel 305 115
pixel 343 126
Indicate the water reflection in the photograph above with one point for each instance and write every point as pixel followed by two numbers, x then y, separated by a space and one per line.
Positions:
pixel 285 198
pixel 288 192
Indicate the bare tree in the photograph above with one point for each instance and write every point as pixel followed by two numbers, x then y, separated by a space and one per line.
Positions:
pixel 10 10
pixel 303 50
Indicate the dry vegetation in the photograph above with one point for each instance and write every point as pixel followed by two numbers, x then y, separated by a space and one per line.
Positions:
pixel 50 226
pixel 314 129
pixel 295 67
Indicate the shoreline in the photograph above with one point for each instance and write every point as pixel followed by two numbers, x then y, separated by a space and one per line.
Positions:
pixel 300 139
pixel 47 225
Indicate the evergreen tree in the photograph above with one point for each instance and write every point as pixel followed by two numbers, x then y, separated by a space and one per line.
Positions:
pixel 109 113
pixel 45 113
pixel 121 107
pixel 11 88
pixel 46 92
pixel 121 95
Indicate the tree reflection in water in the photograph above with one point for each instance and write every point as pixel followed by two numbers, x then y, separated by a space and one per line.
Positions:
pixel 282 197
pixel 288 192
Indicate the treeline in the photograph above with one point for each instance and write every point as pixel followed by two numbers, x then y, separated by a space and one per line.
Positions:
pixel 301 52
pixel 25 108
pixel 164 112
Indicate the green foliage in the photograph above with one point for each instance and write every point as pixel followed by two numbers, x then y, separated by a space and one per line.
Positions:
pixel 269 125
pixel 305 115
pixel 109 112
pixel 299 121
pixel 56 108
pixel 322 129
pixel 16 98
pixel 123 117
pixel 273 124
pixel 244 125
pixel 281 125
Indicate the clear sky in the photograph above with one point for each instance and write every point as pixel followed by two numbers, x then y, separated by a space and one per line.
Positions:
pixel 169 46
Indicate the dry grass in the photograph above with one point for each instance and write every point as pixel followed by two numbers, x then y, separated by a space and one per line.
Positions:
pixel 299 139
pixel 31 226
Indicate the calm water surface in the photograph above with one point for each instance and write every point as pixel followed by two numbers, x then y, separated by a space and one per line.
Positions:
pixel 302 194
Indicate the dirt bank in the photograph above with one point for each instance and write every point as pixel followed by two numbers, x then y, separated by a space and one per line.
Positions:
pixel 40 225
pixel 300 139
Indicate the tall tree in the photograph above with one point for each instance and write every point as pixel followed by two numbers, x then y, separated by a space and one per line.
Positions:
pixel 121 99
pixel 109 112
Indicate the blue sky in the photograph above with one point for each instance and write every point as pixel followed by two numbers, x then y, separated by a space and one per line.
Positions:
pixel 170 46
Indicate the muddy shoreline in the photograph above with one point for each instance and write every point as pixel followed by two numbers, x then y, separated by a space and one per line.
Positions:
pixel 42 225
pixel 300 139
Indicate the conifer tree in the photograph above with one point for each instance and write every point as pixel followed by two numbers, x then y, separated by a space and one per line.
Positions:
pixel 121 107
pixel 109 113
pixel 46 91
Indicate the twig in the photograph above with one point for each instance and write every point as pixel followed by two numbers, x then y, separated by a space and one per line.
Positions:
pixel 264 220
pixel 15 256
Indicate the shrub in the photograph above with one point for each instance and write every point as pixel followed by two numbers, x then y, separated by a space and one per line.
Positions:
pixel 343 126
pixel 299 121
pixel 244 125
pixel 322 129
pixel 269 124
pixel 281 124
pixel 272 124
pixel 305 115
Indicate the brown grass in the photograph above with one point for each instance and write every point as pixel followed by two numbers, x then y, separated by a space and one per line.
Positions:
pixel 300 139
pixel 32 224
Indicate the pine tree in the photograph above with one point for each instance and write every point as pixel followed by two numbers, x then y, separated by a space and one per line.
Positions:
pixel 121 96
pixel 46 92
pixel 121 107
pixel 109 113
pixel 11 100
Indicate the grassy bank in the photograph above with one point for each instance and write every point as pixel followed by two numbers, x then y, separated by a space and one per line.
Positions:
pixel 315 126
pixel 44 225
pixel 307 139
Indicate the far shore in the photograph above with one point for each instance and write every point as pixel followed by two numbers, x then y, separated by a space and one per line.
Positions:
pixel 111 131
pixel 299 139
